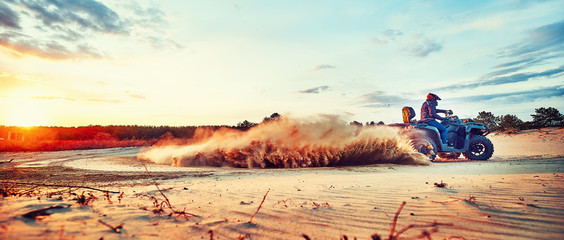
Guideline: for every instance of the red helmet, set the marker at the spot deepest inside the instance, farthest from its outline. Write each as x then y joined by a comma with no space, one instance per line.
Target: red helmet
433,97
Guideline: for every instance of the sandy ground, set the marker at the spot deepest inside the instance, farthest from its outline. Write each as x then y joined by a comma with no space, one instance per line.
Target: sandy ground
544,143
518,194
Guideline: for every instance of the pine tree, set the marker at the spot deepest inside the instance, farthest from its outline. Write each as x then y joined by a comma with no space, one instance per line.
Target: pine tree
547,117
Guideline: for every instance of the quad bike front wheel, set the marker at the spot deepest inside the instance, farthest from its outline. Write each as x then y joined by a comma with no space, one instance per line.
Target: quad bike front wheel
426,147
480,148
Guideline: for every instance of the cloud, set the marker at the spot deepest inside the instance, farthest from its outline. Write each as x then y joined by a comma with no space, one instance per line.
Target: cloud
86,14
520,64
9,81
539,47
150,17
54,98
387,36
315,90
78,99
321,67
379,99
422,47
529,61
416,45
64,27
135,95
518,96
150,24
236,7
8,17
543,40
67,29
70,99
26,45
493,79
158,42
392,33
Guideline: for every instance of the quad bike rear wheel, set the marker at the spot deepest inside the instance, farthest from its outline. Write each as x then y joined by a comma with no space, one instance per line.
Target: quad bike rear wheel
481,148
449,155
426,147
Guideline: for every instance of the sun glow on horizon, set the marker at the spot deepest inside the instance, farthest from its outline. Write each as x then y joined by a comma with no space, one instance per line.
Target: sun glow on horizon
25,113
25,118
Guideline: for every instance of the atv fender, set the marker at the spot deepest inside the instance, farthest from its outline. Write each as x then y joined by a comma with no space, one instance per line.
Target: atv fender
434,135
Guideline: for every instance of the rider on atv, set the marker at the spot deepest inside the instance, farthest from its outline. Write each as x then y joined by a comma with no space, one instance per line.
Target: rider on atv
429,114
448,139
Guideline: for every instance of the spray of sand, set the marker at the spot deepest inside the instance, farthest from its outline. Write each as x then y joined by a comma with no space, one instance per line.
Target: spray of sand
290,143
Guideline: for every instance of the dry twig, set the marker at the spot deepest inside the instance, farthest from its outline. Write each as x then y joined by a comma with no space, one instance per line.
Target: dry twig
82,200
120,197
116,229
318,205
424,233
243,237
166,201
107,196
58,185
42,212
396,220
263,198
471,200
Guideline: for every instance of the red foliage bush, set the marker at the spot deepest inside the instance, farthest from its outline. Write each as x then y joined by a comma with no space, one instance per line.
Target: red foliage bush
59,145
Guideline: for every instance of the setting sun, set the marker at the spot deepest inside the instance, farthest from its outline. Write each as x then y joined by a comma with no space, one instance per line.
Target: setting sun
25,114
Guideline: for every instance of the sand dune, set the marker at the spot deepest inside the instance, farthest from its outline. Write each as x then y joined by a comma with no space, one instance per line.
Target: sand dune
518,194
543,143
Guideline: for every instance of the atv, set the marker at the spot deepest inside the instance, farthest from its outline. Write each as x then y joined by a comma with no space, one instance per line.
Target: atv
465,136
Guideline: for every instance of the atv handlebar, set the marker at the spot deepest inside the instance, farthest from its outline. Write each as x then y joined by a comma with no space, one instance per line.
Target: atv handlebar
448,114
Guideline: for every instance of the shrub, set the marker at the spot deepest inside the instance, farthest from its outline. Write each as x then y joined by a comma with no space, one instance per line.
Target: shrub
547,117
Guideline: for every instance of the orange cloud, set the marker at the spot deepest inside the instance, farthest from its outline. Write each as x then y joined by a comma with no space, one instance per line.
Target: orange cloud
21,44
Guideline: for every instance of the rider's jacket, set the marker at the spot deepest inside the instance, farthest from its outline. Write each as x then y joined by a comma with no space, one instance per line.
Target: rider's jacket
429,111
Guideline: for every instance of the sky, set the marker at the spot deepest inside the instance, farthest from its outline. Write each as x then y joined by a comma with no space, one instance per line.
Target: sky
178,63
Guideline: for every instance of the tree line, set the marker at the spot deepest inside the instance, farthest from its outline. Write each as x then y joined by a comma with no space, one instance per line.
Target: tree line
543,117
93,132
113,132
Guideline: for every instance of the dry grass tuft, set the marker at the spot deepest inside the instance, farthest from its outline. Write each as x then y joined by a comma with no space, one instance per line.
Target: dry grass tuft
441,185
